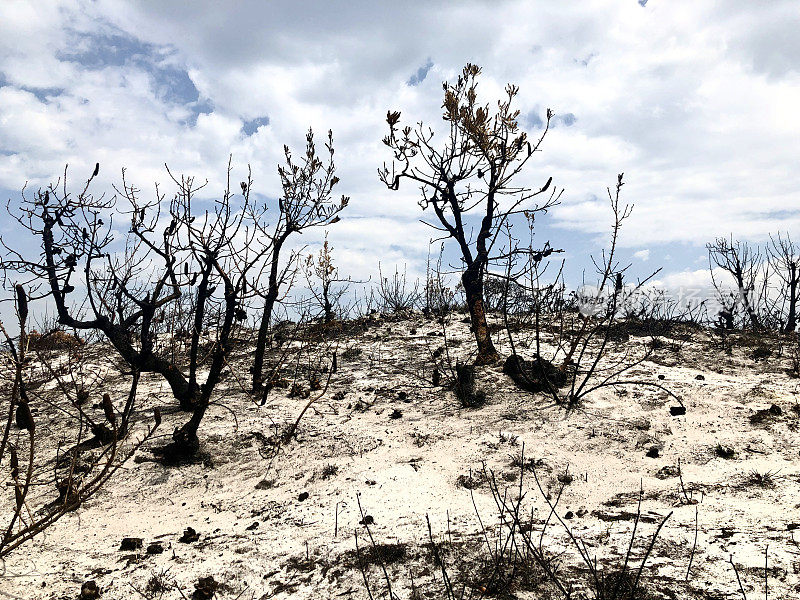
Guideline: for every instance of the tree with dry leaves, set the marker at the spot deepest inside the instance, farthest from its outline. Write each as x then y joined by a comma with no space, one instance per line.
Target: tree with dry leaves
469,181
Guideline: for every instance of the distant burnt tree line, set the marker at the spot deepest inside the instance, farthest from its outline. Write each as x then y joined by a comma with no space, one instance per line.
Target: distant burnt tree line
756,285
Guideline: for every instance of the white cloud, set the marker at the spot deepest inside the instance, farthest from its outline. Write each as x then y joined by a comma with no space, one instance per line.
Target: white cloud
695,102
699,279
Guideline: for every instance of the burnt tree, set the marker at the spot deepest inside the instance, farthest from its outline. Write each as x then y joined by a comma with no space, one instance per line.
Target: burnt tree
324,283
469,181
784,261
307,201
126,289
745,266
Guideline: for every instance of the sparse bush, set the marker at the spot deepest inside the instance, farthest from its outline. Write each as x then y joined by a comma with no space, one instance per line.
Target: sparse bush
765,479
513,557
43,483
439,298
55,340
328,471
397,295
324,283
581,340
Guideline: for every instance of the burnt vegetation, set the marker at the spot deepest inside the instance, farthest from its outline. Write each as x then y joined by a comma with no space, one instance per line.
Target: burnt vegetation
212,296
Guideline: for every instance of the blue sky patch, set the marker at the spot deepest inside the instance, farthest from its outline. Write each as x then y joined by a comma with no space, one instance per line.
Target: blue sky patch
567,120
251,126
533,120
171,82
421,74
99,51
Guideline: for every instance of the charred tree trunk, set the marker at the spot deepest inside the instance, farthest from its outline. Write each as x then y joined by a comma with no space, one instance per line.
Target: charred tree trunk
185,437
472,279
266,316
791,321
150,363
747,301
261,341
327,306
197,331
465,387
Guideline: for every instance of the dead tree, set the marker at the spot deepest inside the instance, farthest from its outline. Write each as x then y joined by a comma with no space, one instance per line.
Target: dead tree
307,201
745,265
783,259
127,293
473,171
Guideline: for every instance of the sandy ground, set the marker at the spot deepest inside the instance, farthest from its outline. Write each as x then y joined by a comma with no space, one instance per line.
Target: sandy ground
279,522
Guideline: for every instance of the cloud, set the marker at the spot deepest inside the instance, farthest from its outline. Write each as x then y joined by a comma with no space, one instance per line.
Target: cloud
695,103
643,255
687,287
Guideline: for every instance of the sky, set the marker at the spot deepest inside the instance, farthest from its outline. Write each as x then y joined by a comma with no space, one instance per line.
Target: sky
695,101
